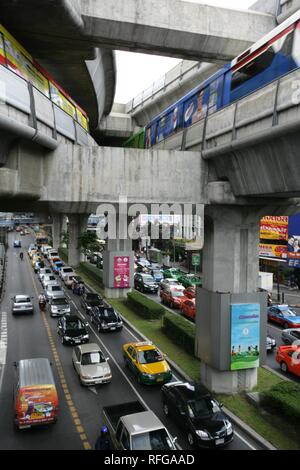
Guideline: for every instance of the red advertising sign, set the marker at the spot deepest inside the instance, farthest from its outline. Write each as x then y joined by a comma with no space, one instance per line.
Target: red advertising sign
121,272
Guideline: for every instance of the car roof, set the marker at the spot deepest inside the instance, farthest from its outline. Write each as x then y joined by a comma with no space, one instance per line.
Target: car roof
139,423
35,372
90,347
143,345
189,391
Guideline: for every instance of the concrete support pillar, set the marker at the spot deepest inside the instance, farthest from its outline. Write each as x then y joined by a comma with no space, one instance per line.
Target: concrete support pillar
230,277
56,230
118,261
77,225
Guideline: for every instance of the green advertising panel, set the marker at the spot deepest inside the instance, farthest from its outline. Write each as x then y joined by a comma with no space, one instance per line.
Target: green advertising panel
196,260
245,336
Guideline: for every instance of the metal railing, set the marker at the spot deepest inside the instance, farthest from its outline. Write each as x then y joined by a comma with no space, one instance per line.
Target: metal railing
161,84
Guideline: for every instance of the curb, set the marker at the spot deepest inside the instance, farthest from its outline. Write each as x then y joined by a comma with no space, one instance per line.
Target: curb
237,421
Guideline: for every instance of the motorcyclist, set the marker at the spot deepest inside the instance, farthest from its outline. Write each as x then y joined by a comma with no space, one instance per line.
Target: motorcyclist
21,255
103,442
42,301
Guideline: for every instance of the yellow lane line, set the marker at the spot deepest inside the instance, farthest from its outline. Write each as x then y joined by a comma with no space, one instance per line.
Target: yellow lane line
71,406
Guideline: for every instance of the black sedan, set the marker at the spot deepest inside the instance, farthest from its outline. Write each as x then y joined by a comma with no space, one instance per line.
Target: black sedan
145,283
198,414
106,319
90,300
72,330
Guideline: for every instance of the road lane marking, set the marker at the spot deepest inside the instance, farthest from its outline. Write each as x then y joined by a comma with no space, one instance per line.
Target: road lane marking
59,368
244,440
3,346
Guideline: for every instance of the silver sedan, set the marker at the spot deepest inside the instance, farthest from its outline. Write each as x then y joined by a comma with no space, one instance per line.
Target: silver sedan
291,335
91,365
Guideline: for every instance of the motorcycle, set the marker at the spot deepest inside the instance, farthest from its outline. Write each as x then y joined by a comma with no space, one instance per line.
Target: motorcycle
42,304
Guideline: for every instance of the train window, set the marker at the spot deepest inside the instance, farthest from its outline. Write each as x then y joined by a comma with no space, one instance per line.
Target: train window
282,45
250,70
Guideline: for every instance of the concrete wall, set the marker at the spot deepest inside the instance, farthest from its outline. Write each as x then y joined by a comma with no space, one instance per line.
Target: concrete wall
77,179
173,28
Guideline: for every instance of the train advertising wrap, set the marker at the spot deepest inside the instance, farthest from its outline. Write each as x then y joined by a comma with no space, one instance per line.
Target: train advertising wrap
81,118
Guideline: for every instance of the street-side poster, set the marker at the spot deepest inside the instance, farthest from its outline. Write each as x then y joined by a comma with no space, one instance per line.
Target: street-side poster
245,336
274,228
294,242
121,272
273,237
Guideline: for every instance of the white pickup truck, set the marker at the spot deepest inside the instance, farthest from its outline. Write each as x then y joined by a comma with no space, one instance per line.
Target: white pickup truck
133,427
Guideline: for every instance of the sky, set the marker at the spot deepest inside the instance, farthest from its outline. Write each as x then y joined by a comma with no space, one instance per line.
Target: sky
136,72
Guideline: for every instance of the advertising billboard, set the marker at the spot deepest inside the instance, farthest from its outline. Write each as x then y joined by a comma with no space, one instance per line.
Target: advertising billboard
274,228
293,252
245,336
275,252
121,272
273,238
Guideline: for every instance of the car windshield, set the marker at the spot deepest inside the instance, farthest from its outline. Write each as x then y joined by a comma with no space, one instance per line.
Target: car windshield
202,407
50,278
74,324
148,278
21,301
288,312
108,313
177,293
149,356
93,297
59,302
55,288
68,270
92,358
153,440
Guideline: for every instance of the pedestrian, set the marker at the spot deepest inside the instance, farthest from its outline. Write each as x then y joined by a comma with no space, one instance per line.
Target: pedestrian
104,441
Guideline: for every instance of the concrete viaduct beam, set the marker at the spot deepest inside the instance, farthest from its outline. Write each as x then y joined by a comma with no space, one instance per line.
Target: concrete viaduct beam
173,28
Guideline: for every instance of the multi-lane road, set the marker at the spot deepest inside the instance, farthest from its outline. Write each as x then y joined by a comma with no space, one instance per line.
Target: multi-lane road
31,336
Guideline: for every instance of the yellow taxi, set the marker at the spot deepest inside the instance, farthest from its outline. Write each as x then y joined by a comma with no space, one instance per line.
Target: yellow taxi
147,363
32,252
35,259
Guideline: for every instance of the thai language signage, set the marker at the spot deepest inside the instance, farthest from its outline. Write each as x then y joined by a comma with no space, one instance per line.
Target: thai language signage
121,272
278,252
274,228
273,238
245,336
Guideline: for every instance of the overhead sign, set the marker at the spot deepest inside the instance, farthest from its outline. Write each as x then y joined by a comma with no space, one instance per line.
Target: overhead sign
245,336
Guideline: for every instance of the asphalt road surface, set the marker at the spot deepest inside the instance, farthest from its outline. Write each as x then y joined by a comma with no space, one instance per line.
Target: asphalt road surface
32,336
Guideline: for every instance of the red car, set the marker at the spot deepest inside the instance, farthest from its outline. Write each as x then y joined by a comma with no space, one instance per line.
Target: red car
190,292
174,297
188,309
289,359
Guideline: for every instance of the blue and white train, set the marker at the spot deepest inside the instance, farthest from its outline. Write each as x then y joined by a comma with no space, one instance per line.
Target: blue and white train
275,55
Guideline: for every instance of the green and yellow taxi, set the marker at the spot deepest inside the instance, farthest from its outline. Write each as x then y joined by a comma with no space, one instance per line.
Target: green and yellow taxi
146,362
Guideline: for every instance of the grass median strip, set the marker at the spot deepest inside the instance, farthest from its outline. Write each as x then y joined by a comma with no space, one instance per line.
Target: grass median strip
273,428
